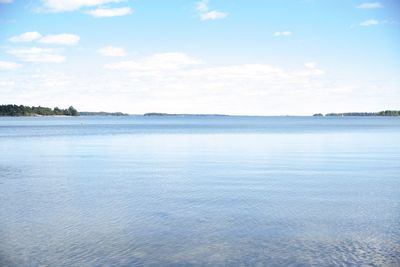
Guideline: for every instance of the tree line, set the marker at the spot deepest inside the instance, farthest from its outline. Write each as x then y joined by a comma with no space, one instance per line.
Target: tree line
380,113
20,110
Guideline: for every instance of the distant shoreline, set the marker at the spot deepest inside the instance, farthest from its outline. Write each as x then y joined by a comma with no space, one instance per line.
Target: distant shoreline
183,114
32,111
102,113
385,113
27,111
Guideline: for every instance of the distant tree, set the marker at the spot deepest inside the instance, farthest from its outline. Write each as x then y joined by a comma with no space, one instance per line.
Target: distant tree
57,111
72,111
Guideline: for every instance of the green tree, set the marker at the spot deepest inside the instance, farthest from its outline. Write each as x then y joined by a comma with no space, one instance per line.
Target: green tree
72,111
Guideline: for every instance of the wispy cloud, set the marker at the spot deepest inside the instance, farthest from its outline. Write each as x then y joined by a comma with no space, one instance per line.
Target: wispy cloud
375,22
59,39
283,33
310,65
213,15
102,7
7,65
25,37
110,12
202,6
311,69
111,51
69,5
157,62
37,54
206,14
370,5
6,1
369,22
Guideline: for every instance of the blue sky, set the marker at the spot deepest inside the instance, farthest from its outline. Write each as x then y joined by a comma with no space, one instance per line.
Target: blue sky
218,56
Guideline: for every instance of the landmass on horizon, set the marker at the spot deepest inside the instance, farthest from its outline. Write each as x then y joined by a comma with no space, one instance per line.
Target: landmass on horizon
182,114
102,113
380,113
21,110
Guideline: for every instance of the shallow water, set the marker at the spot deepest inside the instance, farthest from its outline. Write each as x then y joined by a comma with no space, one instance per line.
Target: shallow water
172,191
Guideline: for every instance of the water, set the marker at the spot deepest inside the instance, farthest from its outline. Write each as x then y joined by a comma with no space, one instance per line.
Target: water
188,191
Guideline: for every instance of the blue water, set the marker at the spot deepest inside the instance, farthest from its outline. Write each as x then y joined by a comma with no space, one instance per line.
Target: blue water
200,191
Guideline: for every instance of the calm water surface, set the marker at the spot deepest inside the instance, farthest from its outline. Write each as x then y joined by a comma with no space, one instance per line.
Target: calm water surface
209,191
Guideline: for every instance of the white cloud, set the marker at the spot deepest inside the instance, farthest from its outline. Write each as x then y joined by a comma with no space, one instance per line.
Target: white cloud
370,5
7,65
101,7
213,15
284,33
71,5
369,22
202,6
206,14
310,65
253,73
6,84
36,54
110,12
25,37
311,70
60,39
171,60
6,1
157,62
112,51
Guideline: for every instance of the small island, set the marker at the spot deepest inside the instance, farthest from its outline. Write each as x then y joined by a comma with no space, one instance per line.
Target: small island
21,110
389,113
182,114
102,113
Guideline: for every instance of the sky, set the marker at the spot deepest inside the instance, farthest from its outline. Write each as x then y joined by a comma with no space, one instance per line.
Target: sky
238,57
